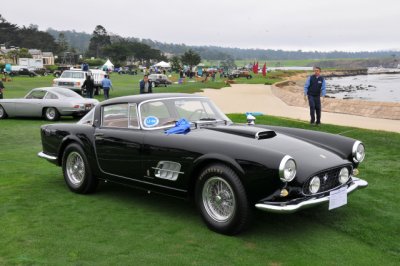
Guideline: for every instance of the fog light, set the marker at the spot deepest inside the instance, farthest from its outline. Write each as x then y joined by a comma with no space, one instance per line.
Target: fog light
344,175
284,192
315,184
355,171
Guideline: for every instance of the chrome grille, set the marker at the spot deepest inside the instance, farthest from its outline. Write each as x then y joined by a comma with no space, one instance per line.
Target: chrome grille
329,180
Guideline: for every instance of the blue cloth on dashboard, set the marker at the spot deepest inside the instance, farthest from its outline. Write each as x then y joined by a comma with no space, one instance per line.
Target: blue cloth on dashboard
182,126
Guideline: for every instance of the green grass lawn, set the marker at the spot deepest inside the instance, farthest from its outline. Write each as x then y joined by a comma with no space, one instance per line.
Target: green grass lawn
43,223
129,84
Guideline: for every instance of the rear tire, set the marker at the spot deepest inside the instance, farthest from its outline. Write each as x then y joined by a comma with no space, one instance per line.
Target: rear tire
3,113
222,200
51,114
77,172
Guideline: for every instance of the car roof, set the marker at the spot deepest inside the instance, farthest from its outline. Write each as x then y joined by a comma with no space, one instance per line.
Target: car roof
53,89
148,96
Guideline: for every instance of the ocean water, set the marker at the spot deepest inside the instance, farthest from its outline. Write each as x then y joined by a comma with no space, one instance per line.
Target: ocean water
372,87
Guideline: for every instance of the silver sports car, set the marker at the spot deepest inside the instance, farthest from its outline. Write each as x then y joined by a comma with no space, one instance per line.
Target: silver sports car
50,103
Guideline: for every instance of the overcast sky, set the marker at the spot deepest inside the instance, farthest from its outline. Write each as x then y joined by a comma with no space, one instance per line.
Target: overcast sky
324,25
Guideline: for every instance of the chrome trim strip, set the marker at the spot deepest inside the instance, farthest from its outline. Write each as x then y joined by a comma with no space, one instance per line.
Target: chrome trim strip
47,157
357,183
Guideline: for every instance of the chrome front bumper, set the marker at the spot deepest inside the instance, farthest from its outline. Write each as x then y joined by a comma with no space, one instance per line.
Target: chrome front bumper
290,208
47,157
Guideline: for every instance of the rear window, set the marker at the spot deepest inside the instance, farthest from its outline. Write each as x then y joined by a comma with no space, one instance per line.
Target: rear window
73,75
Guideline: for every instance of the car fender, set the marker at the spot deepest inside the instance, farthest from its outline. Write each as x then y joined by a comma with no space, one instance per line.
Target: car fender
212,157
65,142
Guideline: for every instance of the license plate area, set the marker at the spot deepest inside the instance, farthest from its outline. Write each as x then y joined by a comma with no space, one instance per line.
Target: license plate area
337,198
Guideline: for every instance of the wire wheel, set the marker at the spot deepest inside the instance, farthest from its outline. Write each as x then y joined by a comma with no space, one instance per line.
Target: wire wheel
51,114
75,167
219,199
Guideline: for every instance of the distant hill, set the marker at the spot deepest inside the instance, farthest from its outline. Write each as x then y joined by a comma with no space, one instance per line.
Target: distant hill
80,41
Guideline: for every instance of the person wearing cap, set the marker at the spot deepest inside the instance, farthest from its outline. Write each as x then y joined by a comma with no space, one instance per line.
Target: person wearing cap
314,89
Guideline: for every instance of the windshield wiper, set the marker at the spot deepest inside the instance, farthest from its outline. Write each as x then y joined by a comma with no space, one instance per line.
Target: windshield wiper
207,119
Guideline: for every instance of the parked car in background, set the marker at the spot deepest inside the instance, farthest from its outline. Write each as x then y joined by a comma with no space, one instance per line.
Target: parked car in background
42,71
240,74
24,72
159,79
60,70
49,103
73,79
228,169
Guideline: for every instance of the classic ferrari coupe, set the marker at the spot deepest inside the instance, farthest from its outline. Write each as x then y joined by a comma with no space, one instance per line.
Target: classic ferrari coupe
182,145
49,103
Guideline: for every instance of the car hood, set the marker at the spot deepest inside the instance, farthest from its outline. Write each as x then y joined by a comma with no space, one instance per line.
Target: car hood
268,147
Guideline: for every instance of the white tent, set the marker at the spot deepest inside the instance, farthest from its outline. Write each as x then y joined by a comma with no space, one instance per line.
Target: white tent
163,64
109,65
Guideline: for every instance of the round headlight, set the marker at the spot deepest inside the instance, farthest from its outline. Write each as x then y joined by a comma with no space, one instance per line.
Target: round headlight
314,184
287,169
358,152
343,175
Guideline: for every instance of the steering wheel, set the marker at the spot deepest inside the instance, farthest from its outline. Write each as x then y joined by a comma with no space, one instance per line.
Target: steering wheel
197,111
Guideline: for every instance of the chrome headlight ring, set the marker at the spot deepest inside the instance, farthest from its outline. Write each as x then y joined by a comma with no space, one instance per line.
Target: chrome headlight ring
358,152
287,169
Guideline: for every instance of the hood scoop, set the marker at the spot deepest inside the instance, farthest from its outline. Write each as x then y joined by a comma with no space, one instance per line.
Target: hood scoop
246,131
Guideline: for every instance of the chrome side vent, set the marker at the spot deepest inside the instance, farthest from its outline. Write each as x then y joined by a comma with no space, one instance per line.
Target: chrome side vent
265,134
167,170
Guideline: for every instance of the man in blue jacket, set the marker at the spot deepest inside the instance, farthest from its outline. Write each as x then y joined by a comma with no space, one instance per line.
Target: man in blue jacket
314,89
107,85
145,85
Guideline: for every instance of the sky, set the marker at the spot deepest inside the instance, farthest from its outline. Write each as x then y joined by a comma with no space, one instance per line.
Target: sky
309,25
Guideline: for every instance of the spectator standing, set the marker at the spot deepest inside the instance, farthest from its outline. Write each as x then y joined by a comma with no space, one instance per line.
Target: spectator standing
107,85
88,86
1,89
145,85
314,89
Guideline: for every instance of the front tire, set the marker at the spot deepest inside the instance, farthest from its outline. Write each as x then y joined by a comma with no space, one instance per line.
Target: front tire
221,200
77,171
51,114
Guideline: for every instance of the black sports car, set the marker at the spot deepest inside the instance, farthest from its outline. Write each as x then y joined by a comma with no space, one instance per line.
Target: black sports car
227,168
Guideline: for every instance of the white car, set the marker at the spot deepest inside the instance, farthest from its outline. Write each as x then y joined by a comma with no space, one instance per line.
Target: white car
50,103
73,79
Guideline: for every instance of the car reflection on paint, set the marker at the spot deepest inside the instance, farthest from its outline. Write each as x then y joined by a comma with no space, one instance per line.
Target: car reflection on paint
228,169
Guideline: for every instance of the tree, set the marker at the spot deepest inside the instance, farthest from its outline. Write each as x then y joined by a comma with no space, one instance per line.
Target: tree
62,43
175,63
100,39
20,53
8,33
190,58
228,63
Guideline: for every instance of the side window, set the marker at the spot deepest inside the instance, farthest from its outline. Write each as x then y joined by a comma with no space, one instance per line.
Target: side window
115,115
36,95
133,118
154,114
50,95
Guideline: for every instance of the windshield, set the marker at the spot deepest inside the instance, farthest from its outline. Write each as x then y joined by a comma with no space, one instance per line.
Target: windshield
165,112
73,75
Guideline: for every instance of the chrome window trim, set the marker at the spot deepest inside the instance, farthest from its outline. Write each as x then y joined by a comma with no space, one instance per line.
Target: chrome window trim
129,105
158,99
